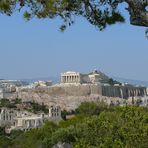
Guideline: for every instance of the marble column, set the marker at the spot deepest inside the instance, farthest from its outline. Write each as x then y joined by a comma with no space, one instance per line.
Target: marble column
75,78
65,79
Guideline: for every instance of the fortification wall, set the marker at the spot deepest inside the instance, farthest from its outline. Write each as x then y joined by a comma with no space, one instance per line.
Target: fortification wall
70,90
123,91
70,96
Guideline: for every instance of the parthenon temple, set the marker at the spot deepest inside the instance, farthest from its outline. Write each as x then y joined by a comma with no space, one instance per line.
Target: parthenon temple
71,77
76,77
105,89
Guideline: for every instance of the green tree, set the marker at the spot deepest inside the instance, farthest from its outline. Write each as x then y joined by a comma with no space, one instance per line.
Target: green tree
35,107
64,113
111,81
91,108
118,127
99,13
2,131
6,103
5,142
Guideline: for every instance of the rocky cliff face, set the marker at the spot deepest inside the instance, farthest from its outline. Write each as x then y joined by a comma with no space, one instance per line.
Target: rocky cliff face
70,89
67,96
70,96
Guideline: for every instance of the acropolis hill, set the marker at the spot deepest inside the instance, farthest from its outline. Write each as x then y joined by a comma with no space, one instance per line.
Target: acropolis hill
76,88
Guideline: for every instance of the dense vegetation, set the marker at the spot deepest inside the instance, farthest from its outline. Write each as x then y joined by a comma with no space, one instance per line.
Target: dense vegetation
29,106
35,107
94,125
9,104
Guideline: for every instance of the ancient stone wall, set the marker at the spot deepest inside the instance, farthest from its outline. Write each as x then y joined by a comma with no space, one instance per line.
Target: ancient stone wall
70,90
123,91
70,96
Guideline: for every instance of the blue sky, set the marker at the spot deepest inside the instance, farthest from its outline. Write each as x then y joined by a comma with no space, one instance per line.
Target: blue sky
38,49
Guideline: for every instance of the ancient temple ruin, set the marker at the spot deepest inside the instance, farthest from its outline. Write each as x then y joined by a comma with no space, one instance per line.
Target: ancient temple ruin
76,77
23,120
105,88
71,77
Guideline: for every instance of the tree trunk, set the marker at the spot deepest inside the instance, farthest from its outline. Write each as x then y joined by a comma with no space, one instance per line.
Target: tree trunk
138,12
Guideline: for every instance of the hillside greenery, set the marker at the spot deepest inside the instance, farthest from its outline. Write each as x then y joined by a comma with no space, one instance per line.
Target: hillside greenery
30,106
94,125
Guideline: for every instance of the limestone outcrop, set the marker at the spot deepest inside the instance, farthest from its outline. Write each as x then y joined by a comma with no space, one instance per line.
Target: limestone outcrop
70,96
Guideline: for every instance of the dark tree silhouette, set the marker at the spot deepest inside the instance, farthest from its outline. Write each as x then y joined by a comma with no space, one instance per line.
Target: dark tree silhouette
98,12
